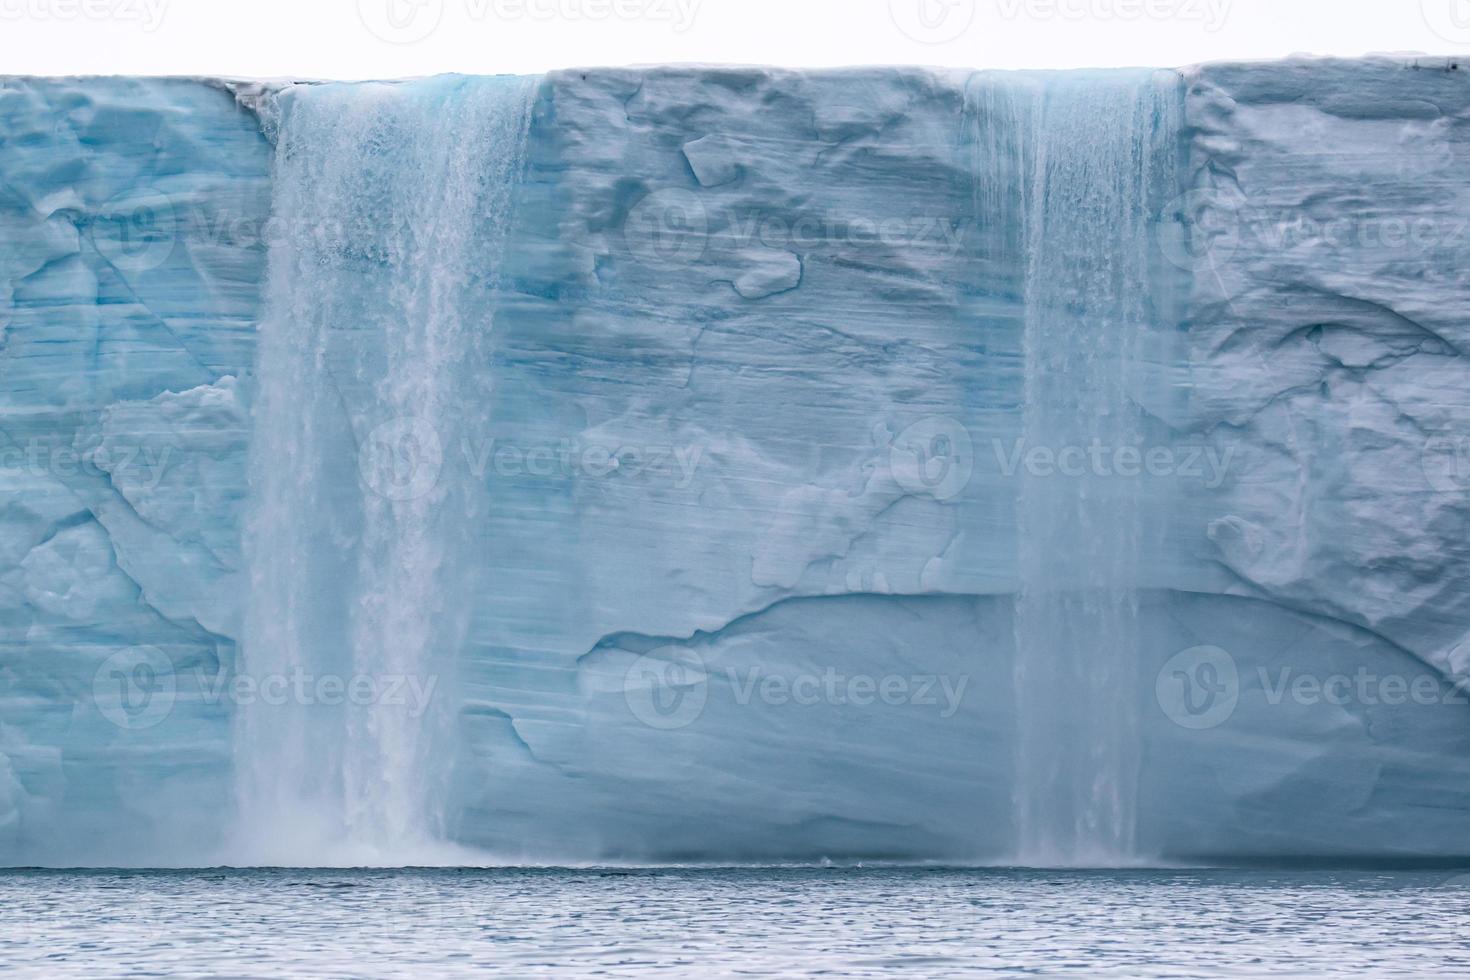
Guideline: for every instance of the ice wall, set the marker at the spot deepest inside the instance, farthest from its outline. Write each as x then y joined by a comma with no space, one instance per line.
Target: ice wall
1323,336
130,270
696,463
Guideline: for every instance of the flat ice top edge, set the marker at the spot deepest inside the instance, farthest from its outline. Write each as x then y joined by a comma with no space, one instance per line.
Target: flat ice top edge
1410,59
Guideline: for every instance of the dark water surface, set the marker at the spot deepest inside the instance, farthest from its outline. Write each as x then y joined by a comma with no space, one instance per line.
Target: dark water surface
748,922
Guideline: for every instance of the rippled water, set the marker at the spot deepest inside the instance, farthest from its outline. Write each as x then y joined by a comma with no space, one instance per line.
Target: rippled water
840,921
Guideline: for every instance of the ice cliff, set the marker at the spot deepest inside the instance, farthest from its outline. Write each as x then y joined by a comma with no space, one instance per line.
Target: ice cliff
737,464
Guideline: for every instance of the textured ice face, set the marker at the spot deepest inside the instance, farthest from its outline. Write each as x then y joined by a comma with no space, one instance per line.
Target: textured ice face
130,270
655,477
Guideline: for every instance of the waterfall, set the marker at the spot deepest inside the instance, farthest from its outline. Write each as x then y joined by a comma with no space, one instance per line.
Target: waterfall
392,205
1096,168
391,211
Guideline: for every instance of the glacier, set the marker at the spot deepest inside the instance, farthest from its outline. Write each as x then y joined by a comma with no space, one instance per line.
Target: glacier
735,465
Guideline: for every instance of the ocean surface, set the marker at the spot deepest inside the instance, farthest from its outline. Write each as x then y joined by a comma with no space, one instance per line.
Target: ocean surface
752,922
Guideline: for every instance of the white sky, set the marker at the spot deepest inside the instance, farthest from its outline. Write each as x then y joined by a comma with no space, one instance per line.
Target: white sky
337,39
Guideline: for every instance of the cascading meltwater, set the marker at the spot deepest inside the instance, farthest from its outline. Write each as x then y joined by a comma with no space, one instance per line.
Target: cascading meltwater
394,200
1092,172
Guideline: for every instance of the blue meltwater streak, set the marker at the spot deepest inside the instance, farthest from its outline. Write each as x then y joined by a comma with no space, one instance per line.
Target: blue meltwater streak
394,200
1094,169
